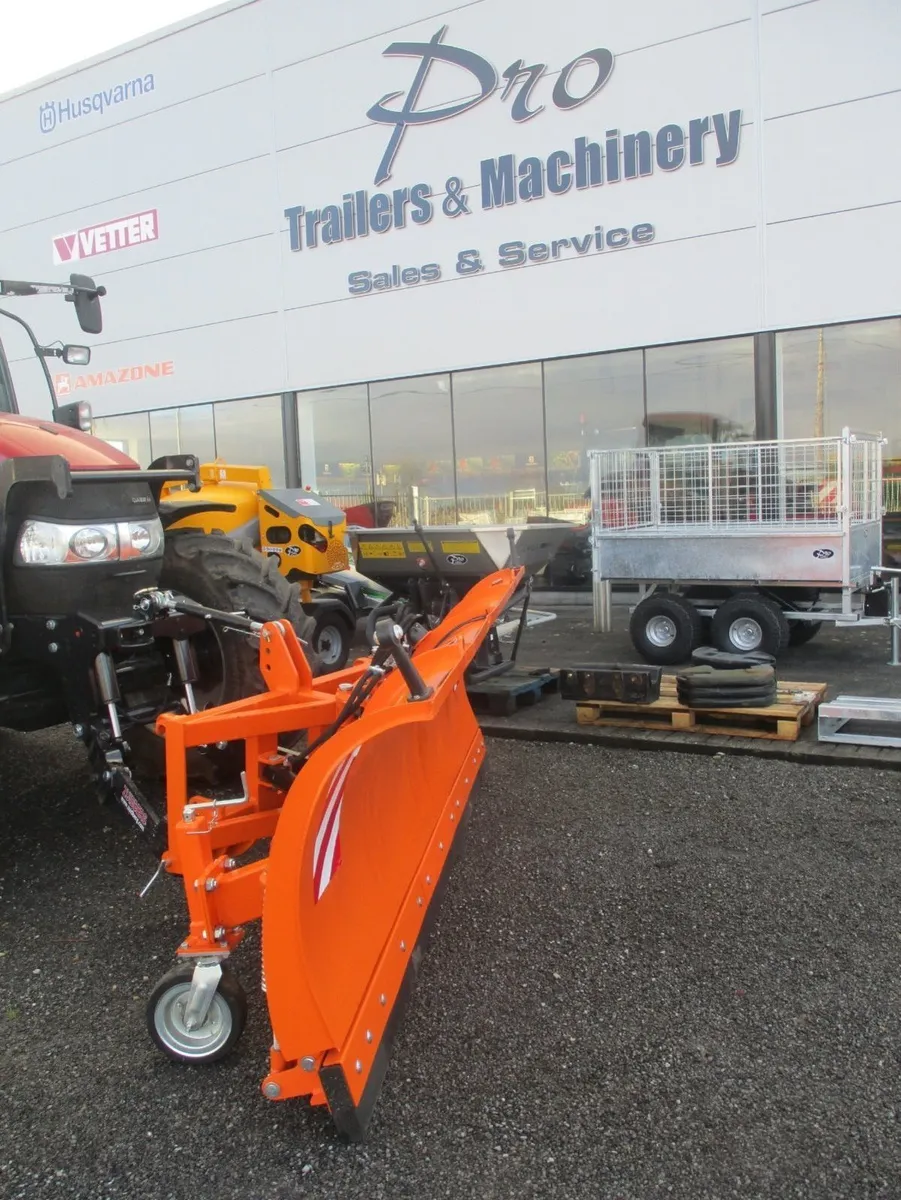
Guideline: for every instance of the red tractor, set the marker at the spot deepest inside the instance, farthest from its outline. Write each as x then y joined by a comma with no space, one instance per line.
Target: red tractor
83,543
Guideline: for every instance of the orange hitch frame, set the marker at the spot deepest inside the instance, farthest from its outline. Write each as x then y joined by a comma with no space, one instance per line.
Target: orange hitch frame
360,839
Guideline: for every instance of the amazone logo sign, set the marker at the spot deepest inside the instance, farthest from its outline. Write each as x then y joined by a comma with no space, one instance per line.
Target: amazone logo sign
64,384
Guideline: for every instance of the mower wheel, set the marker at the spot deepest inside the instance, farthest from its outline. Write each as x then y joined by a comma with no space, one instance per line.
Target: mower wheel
220,1029
330,638
665,628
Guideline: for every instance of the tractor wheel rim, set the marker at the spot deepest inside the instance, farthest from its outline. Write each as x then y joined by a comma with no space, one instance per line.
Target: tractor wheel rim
745,634
661,631
206,1039
328,645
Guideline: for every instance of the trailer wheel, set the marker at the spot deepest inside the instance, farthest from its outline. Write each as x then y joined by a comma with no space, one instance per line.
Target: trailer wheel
331,640
802,632
220,1029
665,629
747,623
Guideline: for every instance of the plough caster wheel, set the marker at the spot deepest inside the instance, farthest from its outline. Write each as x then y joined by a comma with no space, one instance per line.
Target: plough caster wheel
196,1013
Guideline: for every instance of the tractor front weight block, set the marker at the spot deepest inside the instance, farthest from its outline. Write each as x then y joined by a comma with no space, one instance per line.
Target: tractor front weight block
361,818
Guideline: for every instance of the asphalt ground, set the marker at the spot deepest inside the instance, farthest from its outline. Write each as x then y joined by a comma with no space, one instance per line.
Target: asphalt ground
654,975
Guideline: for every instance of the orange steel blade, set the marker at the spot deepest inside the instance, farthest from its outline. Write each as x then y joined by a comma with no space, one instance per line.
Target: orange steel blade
362,842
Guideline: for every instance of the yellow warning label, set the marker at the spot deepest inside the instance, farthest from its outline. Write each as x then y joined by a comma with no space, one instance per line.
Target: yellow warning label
460,547
418,548
382,550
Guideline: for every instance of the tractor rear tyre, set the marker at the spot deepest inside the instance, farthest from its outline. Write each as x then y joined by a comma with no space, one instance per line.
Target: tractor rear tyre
224,573
665,629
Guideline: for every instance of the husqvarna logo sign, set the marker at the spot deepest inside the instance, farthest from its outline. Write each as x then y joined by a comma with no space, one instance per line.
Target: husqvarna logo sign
53,113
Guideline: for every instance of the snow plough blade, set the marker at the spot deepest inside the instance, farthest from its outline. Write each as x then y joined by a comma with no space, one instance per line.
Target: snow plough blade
361,823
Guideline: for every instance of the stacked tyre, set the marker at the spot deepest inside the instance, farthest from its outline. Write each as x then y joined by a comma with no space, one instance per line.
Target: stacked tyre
719,680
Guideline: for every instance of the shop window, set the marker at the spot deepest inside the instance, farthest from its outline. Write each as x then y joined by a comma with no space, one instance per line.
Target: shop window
413,449
700,392
335,449
842,375
590,403
129,432
250,433
184,431
499,441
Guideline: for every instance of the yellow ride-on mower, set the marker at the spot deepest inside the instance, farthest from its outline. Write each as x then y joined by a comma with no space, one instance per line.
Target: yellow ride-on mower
301,530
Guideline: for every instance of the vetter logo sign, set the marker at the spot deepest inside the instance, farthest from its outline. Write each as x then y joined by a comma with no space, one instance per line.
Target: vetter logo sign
588,162
106,237
64,384
56,112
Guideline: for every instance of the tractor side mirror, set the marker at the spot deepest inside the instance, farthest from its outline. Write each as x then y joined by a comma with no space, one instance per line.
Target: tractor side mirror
76,415
76,356
87,303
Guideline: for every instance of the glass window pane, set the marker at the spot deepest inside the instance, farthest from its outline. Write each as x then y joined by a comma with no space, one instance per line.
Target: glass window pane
129,433
164,432
499,432
842,375
701,392
195,433
249,432
413,449
591,403
334,448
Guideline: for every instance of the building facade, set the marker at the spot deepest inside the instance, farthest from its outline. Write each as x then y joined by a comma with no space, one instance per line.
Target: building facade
436,255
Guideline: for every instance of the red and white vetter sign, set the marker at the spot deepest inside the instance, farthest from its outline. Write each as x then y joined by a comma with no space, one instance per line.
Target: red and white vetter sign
102,239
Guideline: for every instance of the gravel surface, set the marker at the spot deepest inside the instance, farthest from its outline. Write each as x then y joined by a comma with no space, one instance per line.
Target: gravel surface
655,975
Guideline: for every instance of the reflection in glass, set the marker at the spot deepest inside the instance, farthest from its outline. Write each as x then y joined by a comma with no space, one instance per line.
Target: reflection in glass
701,392
499,435
413,449
164,433
335,455
196,434
842,375
591,403
250,433
129,432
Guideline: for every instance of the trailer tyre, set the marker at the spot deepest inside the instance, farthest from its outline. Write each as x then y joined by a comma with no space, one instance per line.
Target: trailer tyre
215,1036
665,629
749,623
802,632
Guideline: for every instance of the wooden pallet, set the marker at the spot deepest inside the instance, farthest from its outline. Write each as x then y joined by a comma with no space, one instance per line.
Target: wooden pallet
503,695
795,707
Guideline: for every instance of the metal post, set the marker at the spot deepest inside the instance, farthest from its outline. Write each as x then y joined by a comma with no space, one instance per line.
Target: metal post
291,437
894,614
844,498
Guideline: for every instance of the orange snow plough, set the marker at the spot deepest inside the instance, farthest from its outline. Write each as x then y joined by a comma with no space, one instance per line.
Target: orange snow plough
361,813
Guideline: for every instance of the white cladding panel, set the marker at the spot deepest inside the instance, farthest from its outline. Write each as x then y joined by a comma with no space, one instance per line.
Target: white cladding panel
761,189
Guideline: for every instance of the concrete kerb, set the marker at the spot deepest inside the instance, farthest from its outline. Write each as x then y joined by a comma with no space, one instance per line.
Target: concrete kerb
804,750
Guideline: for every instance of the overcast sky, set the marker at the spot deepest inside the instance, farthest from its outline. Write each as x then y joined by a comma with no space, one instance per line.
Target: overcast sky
48,35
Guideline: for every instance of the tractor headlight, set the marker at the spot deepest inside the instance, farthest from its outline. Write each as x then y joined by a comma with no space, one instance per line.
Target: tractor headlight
51,543
91,544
